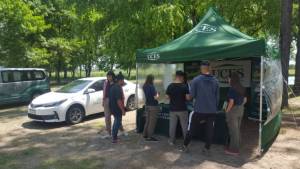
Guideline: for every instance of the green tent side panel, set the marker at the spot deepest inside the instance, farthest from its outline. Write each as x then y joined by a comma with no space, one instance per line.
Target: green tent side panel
270,131
211,39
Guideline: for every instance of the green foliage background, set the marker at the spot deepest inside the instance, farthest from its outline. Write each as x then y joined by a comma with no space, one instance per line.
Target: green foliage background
62,35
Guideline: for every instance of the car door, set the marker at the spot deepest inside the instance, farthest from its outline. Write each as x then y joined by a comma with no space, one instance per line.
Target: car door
10,88
128,90
94,100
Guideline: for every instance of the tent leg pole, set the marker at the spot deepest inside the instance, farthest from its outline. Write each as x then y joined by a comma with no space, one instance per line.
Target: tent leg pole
261,105
137,86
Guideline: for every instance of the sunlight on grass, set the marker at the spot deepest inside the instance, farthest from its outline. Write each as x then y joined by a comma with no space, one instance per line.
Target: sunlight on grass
294,106
13,160
98,124
91,163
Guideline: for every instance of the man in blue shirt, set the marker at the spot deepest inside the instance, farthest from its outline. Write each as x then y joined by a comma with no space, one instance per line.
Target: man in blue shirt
116,105
205,92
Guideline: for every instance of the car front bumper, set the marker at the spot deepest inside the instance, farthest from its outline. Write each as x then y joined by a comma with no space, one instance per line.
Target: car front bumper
45,114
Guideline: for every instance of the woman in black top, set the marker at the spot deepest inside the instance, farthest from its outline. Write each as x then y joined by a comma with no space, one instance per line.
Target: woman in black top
234,113
151,108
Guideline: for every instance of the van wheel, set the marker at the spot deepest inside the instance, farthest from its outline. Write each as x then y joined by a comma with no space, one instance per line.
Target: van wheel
131,103
75,115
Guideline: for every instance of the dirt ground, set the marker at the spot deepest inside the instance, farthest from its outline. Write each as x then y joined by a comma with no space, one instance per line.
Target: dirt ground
30,145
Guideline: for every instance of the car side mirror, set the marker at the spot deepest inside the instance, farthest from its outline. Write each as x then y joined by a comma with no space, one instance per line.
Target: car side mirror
90,90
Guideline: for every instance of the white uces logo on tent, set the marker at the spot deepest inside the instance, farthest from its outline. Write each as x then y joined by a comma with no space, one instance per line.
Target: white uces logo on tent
153,56
206,28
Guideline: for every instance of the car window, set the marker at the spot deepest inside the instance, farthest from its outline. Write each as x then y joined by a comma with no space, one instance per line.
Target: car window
98,86
74,86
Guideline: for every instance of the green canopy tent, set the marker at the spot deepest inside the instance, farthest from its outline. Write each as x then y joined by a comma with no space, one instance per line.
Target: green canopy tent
214,39
211,38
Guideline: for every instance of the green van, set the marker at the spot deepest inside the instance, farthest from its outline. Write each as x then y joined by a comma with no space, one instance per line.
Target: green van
18,85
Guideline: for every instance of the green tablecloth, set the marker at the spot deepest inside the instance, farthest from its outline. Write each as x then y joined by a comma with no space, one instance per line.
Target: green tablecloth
162,126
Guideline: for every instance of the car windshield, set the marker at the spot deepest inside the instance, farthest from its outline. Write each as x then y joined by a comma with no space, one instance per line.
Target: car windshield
74,86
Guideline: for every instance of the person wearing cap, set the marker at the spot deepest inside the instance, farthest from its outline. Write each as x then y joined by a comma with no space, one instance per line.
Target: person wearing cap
116,105
205,92
178,93
111,77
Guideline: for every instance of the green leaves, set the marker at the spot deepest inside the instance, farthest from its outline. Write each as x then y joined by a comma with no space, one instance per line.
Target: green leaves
19,31
107,33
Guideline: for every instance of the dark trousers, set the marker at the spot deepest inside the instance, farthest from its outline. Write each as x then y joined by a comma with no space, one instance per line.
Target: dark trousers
194,120
117,124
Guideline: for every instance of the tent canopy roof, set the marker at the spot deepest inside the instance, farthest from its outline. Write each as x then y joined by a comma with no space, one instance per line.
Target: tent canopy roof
211,39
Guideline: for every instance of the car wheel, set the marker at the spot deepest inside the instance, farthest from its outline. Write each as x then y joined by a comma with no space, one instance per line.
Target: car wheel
131,103
75,115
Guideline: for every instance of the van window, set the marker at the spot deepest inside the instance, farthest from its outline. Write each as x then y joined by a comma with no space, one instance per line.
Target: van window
11,76
7,76
38,75
17,76
26,75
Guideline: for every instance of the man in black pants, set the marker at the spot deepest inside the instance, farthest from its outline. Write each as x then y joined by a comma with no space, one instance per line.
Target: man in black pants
205,92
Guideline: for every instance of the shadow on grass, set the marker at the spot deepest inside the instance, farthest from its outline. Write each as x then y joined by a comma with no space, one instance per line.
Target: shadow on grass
13,106
45,126
79,147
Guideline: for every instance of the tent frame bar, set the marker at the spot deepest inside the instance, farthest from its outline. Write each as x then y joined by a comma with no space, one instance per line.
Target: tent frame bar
137,86
261,104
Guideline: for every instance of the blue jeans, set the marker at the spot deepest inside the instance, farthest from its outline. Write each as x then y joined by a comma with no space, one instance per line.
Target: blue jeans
117,124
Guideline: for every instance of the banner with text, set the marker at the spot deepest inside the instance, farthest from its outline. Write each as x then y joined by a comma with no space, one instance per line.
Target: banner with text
222,70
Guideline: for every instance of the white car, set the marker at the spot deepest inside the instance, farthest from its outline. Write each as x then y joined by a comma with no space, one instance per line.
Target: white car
76,100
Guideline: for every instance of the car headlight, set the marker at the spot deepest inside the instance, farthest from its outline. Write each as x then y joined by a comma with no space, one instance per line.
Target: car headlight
53,104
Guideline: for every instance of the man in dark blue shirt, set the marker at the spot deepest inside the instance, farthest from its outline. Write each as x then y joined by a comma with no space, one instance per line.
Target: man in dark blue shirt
116,105
205,92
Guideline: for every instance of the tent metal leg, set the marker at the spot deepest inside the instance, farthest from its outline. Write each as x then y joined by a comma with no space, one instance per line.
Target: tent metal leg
137,87
261,105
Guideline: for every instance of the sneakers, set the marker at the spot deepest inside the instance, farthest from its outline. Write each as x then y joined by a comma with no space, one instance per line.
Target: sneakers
231,152
122,133
114,141
151,139
125,133
171,143
105,136
183,149
205,151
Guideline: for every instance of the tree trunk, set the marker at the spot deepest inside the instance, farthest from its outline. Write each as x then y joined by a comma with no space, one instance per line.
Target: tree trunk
129,72
297,66
73,73
50,74
80,69
88,69
65,73
285,43
57,75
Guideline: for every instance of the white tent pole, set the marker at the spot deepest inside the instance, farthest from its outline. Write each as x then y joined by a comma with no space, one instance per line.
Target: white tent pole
261,103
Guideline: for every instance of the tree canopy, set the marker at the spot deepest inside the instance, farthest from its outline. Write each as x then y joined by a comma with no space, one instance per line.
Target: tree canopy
62,35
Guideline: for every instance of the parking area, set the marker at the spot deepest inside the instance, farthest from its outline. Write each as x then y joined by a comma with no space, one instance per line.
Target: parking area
30,145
